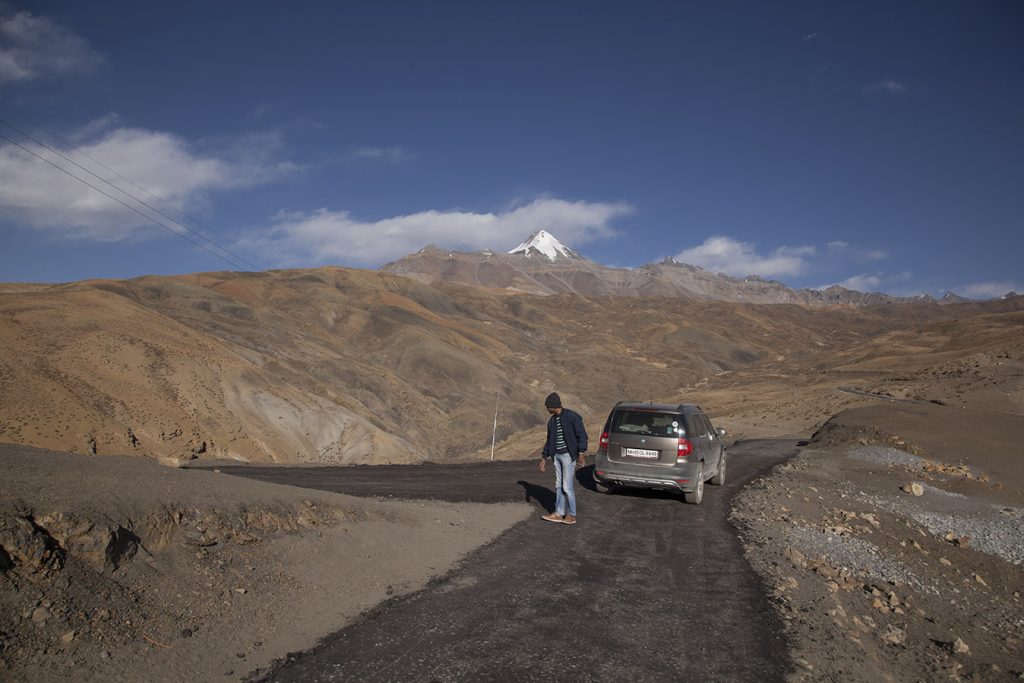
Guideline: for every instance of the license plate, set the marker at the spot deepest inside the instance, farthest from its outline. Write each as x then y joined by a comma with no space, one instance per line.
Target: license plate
641,453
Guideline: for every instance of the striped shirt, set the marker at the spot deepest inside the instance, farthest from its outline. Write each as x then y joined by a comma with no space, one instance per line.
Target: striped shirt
560,446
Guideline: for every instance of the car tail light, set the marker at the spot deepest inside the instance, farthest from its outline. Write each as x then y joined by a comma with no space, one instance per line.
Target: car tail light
604,440
685,448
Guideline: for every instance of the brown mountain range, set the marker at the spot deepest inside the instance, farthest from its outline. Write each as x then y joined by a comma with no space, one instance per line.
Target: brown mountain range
339,365
575,274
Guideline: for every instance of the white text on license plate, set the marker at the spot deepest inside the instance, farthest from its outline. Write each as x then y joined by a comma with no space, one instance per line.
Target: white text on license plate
641,453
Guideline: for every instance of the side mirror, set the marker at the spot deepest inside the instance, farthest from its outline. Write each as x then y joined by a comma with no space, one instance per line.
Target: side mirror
719,431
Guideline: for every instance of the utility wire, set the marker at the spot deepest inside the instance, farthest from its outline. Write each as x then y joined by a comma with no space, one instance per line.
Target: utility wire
165,202
127,206
128,194
251,265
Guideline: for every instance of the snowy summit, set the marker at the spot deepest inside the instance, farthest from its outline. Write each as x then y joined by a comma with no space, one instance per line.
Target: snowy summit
543,243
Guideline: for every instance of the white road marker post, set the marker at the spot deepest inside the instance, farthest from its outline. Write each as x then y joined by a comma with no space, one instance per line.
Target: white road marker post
494,432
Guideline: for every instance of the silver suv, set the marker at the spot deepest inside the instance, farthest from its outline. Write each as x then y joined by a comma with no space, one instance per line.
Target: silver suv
660,446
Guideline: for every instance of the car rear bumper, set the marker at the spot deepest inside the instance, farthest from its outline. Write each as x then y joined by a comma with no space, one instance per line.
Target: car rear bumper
681,478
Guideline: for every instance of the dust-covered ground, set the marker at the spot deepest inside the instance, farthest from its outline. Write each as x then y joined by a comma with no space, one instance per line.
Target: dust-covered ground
895,545
120,569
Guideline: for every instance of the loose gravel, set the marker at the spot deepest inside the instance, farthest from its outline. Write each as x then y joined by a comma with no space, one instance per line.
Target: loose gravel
942,492
847,509
883,455
993,529
853,554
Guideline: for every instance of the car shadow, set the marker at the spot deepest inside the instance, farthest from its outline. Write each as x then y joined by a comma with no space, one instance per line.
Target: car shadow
544,496
649,494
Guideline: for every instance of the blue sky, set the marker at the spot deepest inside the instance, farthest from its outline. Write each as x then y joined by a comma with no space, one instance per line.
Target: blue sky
879,145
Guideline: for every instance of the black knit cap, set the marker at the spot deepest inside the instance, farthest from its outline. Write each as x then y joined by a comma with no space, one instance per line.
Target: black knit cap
553,401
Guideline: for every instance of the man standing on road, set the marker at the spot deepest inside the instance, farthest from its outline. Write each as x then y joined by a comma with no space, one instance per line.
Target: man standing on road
566,446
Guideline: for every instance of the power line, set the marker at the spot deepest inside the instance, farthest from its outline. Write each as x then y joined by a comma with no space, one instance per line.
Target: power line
240,259
148,206
132,208
165,202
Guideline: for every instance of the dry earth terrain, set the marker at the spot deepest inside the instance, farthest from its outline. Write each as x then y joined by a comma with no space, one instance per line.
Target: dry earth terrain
119,568
894,544
341,366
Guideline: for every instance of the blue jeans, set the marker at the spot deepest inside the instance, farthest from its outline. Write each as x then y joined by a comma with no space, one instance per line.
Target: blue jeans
565,470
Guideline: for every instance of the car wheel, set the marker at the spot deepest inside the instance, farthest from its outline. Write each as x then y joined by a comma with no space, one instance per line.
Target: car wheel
697,495
719,478
602,488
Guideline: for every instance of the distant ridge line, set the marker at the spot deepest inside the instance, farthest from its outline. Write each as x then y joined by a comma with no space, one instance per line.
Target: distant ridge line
543,265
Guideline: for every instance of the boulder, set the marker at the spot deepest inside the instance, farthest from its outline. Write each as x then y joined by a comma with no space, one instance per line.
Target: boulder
27,545
914,487
794,556
106,547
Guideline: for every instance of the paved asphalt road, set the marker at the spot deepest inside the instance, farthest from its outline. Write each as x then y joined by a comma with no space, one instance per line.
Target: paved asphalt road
643,588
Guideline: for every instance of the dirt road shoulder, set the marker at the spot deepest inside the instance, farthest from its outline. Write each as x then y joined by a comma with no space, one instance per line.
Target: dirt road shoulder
887,565
119,569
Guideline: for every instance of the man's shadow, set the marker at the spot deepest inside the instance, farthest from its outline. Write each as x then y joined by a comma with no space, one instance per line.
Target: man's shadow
585,477
546,497
543,495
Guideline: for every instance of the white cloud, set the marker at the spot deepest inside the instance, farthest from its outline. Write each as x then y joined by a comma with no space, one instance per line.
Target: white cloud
392,154
260,111
988,290
846,250
34,194
887,86
34,47
95,128
861,283
722,254
870,282
326,236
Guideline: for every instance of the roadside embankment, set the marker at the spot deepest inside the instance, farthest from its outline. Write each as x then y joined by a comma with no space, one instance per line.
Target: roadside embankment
120,569
892,544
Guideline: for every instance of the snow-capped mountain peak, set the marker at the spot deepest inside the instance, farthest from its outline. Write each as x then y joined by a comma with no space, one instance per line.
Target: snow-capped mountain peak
543,243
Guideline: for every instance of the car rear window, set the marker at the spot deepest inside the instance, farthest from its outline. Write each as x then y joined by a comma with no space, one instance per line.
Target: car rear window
647,422
698,425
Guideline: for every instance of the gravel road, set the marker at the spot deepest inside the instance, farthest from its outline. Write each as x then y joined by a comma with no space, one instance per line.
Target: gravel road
644,587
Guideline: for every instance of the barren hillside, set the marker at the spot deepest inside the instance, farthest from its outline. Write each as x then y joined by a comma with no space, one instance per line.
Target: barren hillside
349,366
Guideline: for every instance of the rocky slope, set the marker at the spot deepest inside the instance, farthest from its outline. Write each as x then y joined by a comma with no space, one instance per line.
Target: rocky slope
893,556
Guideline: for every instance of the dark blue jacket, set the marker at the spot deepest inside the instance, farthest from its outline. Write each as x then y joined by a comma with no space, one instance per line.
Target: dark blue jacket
573,431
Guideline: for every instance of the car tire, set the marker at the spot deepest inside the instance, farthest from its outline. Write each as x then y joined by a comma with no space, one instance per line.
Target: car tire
719,477
602,488
697,495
